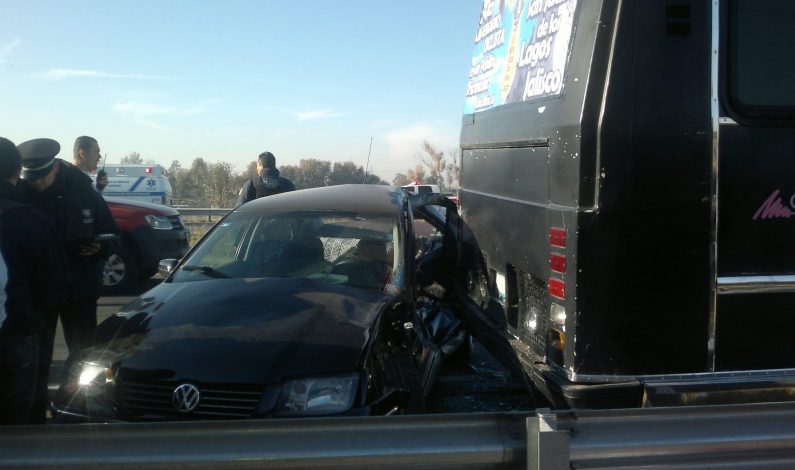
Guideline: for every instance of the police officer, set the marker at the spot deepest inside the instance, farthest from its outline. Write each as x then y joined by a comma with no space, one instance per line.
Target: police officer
62,191
267,181
36,284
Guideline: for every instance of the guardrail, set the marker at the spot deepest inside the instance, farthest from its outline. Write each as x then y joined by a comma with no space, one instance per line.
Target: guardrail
210,212
715,437
199,219
752,436
470,441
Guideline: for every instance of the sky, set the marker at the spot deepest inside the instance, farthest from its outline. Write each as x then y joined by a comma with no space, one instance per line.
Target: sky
227,80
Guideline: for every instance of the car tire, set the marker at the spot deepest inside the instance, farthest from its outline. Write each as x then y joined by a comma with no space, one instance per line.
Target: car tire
120,273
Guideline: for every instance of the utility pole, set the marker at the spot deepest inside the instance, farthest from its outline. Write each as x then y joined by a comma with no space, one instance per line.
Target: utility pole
368,161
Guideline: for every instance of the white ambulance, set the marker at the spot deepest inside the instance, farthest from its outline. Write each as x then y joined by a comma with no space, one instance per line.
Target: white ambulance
147,183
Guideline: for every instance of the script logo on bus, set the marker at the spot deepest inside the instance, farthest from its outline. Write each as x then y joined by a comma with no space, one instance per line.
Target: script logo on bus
774,207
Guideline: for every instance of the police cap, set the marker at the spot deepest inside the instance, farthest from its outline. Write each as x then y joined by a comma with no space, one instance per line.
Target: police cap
38,156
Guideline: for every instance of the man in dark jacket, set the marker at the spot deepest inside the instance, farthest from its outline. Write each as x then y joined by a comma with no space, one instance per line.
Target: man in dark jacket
266,183
87,157
65,193
37,283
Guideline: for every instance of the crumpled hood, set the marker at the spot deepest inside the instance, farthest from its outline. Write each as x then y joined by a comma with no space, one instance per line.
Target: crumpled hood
241,330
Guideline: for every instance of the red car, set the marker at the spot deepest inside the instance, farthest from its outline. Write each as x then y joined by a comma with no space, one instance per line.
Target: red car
149,233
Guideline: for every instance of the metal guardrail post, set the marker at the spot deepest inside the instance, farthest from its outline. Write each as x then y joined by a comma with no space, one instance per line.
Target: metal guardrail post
547,445
463,441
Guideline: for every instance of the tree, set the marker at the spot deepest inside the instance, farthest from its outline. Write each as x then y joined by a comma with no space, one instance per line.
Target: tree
345,173
417,174
351,173
291,172
182,187
251,169
172,171
401,180
196,183
441,169
218,185
175,166
240,179
312,173
435,161
452,175
133,158
176,177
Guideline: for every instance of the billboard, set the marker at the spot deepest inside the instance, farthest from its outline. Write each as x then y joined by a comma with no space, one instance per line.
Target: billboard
521,52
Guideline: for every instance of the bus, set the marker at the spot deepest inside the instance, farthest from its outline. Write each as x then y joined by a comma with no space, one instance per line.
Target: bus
627,170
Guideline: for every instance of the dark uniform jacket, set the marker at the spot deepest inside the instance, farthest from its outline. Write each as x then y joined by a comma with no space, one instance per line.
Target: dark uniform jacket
266,185
37,277
80,214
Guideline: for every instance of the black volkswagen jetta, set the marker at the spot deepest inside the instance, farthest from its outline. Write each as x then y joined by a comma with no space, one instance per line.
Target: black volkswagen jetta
326,301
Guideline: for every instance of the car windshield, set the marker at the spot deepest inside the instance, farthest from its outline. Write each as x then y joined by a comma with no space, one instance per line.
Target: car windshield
354,249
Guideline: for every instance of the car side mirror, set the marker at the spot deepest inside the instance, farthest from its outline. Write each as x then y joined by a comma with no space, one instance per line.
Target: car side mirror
166,266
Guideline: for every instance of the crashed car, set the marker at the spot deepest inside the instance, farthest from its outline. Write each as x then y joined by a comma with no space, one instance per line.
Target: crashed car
325,301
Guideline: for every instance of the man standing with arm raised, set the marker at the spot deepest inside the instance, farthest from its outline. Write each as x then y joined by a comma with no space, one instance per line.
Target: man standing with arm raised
87,156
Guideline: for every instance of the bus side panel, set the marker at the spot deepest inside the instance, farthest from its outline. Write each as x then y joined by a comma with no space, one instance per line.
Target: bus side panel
551,194
644,265
756,222
754,332
505,206
757,201
513,173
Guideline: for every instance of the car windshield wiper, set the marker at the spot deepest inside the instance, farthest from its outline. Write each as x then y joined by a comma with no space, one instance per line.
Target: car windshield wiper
207,270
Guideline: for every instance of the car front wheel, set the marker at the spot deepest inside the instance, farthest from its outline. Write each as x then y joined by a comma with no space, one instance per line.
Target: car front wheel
120,272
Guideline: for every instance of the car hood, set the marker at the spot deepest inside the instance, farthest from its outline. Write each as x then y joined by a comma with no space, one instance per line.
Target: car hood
240,331
149,206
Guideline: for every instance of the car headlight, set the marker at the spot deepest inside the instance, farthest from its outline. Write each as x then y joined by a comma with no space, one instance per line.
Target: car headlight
92,376
159,222
91,373
87,390
317,396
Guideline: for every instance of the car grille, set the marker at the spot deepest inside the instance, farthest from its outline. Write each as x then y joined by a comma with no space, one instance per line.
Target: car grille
152,400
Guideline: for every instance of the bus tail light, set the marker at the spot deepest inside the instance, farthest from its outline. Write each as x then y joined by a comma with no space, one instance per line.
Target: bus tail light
557,237
557,263
557,288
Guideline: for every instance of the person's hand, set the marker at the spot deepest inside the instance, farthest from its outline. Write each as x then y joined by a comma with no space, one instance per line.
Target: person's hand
88,249
102,179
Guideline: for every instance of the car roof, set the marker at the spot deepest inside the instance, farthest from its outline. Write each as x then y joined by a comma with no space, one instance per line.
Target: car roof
345,197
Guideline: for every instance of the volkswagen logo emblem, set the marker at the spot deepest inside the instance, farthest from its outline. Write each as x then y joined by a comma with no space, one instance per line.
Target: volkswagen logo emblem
185,398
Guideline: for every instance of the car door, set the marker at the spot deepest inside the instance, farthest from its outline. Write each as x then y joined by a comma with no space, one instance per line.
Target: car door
434,226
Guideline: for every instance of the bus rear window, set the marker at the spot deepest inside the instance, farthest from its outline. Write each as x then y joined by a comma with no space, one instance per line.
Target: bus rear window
761,65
